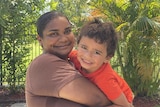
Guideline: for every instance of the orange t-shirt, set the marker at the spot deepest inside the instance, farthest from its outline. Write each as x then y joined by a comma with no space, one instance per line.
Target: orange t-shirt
106,79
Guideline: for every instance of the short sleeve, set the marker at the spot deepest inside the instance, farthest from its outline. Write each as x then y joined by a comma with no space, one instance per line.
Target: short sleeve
47,74
110,87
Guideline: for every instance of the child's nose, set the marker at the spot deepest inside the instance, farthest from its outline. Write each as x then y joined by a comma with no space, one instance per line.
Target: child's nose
89,54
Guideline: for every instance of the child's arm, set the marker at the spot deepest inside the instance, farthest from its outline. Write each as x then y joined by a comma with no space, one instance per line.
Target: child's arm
121,101
119,106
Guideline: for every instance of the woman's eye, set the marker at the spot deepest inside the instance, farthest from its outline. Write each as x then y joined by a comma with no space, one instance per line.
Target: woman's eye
54,34
68,31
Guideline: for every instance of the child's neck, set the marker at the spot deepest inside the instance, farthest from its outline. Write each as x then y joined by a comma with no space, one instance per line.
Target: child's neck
86,71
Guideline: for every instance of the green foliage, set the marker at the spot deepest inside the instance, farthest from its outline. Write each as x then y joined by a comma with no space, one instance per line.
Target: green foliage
138,53
137,22
17,28
76,11
157,106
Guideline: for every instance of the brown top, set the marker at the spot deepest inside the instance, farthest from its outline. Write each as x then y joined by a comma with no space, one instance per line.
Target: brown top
45,77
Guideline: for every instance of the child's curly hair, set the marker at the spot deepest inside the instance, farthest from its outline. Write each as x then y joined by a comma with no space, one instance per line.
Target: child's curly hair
102,33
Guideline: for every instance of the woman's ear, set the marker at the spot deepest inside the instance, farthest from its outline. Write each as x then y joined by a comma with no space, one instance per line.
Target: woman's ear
39,40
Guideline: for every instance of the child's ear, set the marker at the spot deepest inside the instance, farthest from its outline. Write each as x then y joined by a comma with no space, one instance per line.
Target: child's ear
107,59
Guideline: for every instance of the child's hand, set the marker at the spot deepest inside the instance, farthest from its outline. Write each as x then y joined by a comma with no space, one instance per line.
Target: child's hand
131,105
113,105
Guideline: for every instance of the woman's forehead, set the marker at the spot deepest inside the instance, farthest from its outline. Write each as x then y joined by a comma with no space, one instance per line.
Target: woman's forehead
58,23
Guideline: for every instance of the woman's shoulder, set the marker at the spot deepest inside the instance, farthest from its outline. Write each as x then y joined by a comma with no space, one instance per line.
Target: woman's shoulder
47,57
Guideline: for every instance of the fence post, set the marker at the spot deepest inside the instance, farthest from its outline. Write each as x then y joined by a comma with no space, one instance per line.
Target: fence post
1,56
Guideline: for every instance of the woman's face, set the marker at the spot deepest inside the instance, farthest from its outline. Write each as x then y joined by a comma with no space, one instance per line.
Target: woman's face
58,38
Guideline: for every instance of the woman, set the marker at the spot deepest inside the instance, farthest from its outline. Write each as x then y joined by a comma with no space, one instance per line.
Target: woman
51,80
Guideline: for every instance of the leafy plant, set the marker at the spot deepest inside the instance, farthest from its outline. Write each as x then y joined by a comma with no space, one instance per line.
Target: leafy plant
137,23
17,25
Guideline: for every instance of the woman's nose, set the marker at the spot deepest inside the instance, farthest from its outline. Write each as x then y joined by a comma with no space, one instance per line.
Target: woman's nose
63,37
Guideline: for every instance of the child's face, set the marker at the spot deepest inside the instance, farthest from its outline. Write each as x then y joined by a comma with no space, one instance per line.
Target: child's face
91,54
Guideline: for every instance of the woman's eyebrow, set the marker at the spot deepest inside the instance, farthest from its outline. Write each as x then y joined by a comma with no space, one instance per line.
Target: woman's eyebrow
68,27
53,30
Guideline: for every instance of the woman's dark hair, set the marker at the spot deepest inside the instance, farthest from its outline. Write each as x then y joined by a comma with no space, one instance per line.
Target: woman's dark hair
103,33
44,19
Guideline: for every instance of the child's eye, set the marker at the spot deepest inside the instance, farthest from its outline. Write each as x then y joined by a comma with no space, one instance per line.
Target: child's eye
83,47
98,53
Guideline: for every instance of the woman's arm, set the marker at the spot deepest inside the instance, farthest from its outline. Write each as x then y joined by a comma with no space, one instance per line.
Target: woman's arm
83,91
61,80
